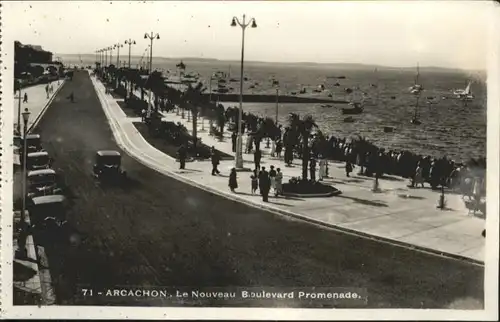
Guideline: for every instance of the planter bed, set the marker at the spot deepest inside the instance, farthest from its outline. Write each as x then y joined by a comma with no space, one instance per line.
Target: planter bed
128,111
171,148
308,189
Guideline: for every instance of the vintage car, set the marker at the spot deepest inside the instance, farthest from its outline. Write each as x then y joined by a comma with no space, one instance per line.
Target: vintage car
108,165
34,143
38,161
42,183
47,206
47,215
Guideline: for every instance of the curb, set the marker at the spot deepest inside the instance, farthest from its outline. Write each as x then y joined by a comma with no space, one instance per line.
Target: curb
119,137
44,109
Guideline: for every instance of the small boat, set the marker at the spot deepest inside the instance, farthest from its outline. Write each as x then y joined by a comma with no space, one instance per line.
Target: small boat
330,95
336,84
222,81
388,129
357,109
251,86
349,119
316,90
232,80
341,77
303,91
326,105
393,97
348,90
245,78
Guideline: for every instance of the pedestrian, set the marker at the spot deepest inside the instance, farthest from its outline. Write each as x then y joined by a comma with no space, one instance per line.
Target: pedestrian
257,156
72,97
47,90
25,100
279,148
182,153
143,115
312,169
348,168
234,136
322,168
418,178
215,161
255,181
233,183
273,148
264,184
278,190
272,177
248,144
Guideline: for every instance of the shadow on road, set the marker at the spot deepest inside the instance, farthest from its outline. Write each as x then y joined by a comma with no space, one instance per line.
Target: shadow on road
365,201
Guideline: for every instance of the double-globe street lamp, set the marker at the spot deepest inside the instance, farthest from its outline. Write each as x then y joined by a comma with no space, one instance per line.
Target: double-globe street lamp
117,46
239,146
129,42
151,37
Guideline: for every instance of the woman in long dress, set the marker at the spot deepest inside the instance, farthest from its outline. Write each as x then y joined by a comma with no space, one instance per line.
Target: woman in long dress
233,183
419,179
278,181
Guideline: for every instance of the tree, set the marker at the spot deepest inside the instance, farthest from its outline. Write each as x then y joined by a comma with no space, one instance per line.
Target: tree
303,127
156,84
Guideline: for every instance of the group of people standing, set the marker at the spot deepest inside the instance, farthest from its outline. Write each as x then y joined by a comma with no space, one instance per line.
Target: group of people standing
261,179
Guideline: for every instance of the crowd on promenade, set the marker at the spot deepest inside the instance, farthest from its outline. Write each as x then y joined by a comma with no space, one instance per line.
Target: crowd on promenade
467,178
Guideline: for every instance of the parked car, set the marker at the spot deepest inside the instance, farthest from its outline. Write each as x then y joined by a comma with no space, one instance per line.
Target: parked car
38,161
42,183
33,141
47,206
47,215
108,165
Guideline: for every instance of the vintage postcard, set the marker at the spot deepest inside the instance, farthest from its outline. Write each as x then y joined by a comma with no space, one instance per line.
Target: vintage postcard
250,160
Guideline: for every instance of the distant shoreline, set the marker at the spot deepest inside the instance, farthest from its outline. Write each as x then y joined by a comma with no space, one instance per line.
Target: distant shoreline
353,66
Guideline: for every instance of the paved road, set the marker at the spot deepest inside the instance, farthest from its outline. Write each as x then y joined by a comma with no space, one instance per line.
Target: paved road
158,231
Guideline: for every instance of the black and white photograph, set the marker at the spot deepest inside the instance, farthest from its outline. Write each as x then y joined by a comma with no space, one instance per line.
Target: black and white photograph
250,159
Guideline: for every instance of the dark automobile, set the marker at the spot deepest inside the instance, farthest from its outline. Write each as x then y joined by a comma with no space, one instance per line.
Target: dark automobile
46,206
108,165
34,143
38,161
42,183
47,215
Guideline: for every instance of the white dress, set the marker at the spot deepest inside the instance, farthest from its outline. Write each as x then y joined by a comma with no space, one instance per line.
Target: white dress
322,169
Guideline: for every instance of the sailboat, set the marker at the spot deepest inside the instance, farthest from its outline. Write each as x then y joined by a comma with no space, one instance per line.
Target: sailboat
415,120
416,88
464,94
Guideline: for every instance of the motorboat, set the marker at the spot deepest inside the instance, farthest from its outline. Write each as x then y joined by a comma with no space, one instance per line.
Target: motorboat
356,109
349,119
326,105
388,129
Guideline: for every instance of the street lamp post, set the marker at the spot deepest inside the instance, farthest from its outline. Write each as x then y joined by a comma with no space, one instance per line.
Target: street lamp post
18,127
117,46
129,42
110,48
151,37
26,115
239,146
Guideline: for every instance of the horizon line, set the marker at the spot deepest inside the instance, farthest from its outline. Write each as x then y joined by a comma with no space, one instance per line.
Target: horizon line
300,62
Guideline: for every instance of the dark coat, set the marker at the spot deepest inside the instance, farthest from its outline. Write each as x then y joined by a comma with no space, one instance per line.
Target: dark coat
233,183
215,157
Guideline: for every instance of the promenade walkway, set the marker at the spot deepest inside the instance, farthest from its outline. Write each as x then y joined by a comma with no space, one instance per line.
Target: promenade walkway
31,281
397,214
37,101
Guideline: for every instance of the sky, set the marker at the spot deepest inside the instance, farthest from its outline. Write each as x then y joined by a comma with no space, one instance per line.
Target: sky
450,34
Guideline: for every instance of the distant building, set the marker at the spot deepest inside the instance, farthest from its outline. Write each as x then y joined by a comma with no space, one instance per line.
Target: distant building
29,54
